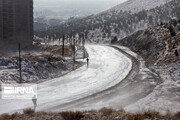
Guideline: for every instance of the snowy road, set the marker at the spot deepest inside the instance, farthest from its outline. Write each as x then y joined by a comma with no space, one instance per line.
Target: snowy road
140,91
107,68
139,83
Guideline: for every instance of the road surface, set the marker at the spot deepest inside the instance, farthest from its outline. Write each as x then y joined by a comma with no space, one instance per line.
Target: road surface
107,68
138,84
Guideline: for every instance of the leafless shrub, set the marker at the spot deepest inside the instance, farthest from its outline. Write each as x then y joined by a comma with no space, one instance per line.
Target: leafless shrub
28,111
5,116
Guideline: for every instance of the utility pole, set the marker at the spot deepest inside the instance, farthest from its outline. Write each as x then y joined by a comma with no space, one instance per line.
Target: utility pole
63,46
20,75
74,52
84,54
59,41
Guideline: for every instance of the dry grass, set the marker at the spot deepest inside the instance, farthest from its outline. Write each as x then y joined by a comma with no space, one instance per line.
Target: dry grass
147,115
28,111
102,114
43,57
106,111
72,115
5,116
56,49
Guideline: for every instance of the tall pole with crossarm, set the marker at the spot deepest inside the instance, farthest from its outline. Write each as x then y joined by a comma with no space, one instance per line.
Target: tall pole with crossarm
84,54
63,46
20,75
74,53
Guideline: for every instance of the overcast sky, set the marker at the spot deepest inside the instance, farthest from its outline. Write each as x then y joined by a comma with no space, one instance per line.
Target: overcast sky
75,4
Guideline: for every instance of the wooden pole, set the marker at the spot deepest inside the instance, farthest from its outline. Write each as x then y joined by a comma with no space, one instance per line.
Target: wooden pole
74,52
63,46
20,75
84,54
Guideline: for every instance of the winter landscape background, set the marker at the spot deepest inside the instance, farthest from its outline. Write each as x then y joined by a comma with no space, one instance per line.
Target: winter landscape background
133,72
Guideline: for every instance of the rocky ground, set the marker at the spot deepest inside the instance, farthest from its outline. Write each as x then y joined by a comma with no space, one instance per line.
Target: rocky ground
42,63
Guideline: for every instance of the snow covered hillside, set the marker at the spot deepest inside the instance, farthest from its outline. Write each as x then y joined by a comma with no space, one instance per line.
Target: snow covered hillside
119,21
160,47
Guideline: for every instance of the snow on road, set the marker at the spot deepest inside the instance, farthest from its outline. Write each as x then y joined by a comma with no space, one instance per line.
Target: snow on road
139,83
107,67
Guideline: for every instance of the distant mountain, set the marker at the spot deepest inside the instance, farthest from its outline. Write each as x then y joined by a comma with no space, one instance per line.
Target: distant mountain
120,21
136,6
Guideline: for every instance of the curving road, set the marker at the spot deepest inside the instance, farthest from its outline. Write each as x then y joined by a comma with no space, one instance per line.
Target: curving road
107,68
139,83
140,91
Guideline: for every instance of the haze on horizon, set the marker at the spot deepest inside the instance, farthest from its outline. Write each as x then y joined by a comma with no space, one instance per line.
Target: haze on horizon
74,7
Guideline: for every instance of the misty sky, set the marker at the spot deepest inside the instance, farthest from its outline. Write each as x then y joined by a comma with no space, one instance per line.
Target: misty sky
58,5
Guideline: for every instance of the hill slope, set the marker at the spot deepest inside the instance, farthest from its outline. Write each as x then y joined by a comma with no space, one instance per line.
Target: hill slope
136,6
160,48
157,45
102,27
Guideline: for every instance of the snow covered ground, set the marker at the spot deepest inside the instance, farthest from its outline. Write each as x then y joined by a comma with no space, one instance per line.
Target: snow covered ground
107,67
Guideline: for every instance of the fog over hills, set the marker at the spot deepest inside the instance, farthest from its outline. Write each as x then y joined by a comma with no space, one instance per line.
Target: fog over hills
73,7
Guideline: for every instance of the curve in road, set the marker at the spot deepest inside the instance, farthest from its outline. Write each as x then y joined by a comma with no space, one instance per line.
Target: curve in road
107,67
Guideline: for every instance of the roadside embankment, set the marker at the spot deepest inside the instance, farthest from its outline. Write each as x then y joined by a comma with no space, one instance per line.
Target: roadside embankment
39,64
